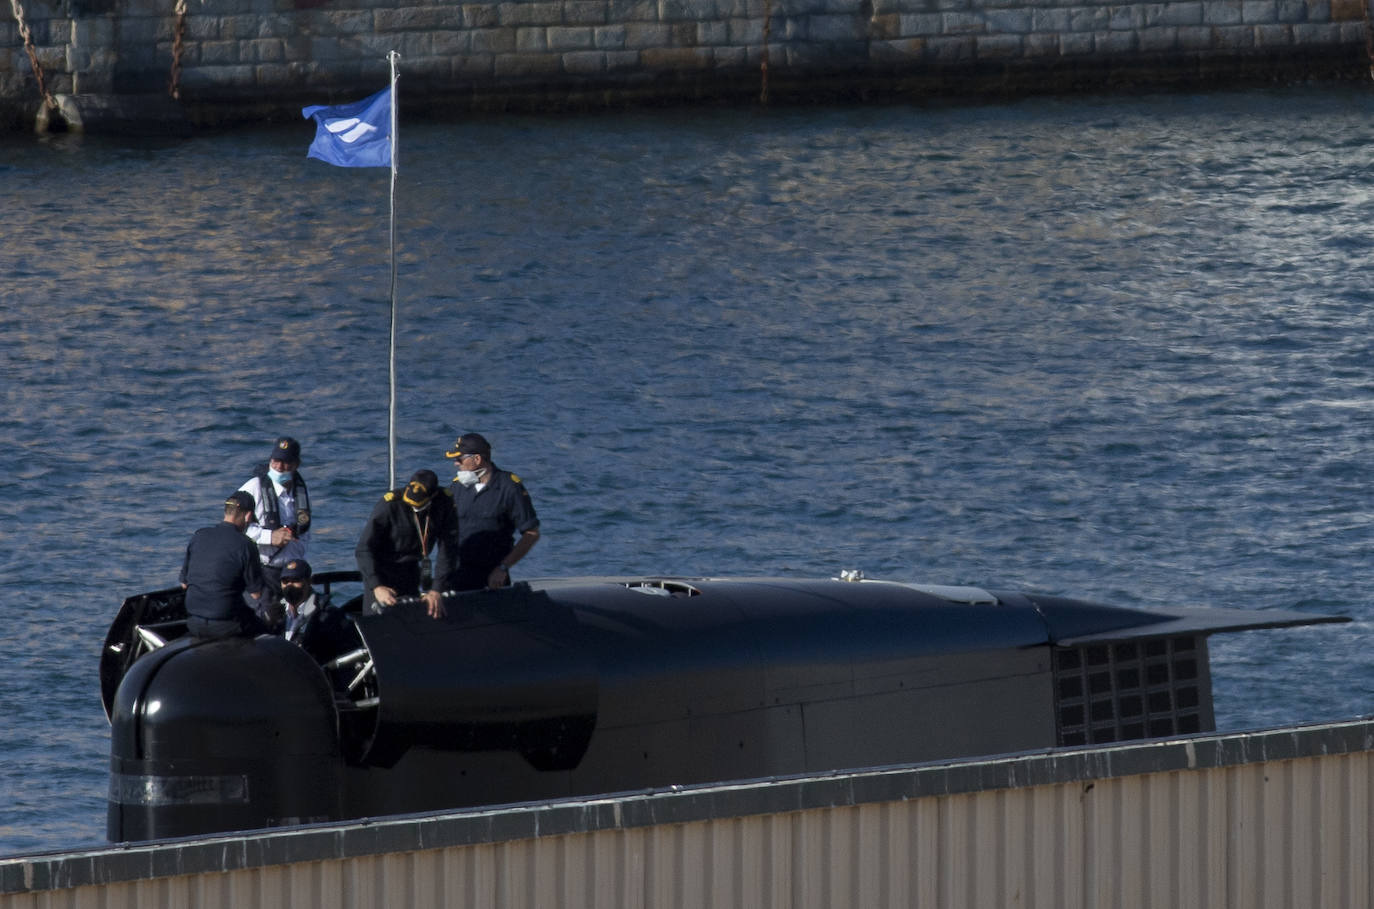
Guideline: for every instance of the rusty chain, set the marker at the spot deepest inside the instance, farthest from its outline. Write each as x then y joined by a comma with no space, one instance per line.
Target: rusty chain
24,32
1368,36
178,46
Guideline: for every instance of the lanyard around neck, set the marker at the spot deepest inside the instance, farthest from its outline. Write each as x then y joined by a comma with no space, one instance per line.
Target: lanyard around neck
423,533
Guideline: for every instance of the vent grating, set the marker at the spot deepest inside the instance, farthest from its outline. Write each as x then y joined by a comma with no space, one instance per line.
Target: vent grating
663,587
1125,690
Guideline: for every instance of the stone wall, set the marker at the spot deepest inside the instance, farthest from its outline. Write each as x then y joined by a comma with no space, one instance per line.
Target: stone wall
253,58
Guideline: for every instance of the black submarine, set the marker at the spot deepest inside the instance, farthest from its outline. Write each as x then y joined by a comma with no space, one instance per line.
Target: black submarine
568,687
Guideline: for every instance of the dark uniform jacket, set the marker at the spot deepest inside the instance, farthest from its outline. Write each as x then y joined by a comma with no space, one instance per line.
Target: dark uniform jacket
488,523
221,565
389,550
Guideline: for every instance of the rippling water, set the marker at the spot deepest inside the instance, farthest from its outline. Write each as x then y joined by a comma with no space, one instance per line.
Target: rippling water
1112,348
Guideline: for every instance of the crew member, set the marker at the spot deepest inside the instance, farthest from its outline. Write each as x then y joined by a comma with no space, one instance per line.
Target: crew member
282,508
493,506
299,600
221,565
394,549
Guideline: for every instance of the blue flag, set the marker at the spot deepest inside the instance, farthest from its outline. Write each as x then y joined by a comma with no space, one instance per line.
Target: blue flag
353,135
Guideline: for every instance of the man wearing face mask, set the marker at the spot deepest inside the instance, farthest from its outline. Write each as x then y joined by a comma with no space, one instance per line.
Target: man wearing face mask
282,525
299,601
493,506
394,548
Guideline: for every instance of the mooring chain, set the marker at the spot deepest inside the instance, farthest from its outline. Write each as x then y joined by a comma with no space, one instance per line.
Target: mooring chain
178,45
1368,36
48,99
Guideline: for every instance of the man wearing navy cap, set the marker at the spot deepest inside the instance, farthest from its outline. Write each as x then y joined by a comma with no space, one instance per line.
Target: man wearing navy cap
281,504
221,565
394,548
493,506
299,599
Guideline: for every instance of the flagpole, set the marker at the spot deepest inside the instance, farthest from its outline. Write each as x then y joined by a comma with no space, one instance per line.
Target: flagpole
392,57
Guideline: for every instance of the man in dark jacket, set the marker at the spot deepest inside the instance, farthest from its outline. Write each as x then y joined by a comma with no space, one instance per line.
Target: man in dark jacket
394,548
221,565
493,506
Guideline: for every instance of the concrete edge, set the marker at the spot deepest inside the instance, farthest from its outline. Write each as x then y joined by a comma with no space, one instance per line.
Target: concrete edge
677,805
901,79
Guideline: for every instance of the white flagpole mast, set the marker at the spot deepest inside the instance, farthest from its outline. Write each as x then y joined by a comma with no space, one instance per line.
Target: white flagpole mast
392,57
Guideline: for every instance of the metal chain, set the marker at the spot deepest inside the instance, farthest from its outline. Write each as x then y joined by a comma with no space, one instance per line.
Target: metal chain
178,46
1368,37
48,99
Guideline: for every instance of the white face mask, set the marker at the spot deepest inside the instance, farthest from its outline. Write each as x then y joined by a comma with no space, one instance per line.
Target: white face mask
467,477
278,477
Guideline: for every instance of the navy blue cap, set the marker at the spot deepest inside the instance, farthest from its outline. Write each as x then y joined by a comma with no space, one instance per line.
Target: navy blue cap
469,443
286,449
241,500
296,568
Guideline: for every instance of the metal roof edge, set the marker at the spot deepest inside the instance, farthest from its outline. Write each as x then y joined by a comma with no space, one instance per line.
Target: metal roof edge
673,805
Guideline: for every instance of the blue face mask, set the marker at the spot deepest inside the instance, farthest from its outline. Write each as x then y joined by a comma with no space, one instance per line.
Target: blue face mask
278,477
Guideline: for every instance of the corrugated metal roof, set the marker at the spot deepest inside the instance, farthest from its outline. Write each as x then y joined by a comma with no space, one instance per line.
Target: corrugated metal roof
1279,818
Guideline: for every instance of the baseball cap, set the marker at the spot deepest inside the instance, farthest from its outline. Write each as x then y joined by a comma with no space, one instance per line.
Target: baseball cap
469,443
241,500
286,449
296,568
421,488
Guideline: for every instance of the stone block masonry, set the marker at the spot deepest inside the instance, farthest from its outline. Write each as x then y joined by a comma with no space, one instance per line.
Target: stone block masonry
242,59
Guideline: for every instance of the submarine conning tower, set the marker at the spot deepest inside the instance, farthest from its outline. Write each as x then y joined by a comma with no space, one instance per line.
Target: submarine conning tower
222,735
566,687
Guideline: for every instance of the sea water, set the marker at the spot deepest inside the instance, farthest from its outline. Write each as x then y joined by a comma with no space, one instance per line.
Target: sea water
1114,348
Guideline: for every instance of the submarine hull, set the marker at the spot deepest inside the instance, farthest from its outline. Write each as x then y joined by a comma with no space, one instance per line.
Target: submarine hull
583,686
863,729
752,680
